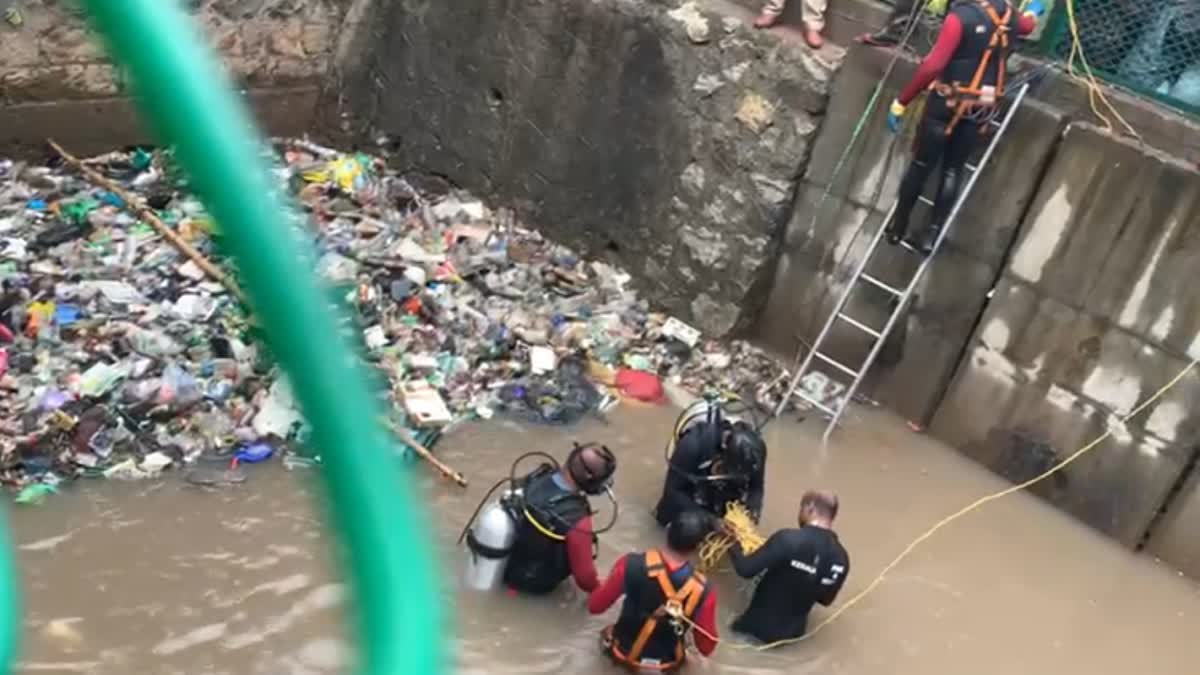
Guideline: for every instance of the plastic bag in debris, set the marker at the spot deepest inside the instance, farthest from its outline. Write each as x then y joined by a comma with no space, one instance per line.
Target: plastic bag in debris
349,172
562,397
639,385
35,493
277,415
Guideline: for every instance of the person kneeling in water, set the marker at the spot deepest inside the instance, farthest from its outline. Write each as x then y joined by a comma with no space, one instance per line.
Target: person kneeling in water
660,587
714,463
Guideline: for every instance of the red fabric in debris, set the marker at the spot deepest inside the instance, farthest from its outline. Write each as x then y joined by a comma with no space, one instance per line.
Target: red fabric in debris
640,385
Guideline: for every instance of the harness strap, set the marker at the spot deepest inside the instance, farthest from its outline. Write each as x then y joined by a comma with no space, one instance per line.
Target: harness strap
684,599
998,41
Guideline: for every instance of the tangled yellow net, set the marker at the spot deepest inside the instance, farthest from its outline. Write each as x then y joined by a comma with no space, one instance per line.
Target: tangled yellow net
717,544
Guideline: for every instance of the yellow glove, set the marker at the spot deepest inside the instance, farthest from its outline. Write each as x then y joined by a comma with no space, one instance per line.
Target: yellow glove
895,115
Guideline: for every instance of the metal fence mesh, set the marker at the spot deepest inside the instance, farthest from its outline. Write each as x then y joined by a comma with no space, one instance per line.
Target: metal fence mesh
1151,48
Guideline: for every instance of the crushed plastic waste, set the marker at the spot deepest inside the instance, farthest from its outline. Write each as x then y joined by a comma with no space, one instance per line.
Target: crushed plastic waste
121,358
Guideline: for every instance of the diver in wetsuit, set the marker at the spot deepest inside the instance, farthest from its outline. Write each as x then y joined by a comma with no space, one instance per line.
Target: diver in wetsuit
715,462
555,538
800,567
965,72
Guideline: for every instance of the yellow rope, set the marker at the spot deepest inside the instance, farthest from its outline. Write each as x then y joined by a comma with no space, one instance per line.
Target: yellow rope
858,597
716,545
1095,89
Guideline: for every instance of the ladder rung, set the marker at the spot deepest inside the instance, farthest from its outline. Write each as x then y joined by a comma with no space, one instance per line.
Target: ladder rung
972,168
994,122
905,245
837,364
859,325
925,200
880,284
817,404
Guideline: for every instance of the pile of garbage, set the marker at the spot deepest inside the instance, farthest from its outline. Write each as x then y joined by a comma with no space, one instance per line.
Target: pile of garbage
122,354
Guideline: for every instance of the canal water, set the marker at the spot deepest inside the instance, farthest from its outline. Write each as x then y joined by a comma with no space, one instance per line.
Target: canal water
159,577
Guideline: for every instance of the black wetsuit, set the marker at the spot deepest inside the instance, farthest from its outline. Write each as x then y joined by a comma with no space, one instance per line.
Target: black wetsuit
802,566
685,487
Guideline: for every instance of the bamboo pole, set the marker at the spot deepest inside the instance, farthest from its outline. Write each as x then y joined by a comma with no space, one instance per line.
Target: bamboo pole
425,454
134,203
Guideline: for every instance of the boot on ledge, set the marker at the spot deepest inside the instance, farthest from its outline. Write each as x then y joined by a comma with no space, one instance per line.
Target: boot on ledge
813,37
766,20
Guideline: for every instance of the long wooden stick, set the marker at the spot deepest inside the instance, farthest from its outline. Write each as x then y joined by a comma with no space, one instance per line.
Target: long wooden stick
135,204
425,454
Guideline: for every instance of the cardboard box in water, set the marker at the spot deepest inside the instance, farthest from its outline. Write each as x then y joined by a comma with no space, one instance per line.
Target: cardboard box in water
424,405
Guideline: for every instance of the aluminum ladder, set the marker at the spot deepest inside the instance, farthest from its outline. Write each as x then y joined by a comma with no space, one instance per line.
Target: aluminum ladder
900,296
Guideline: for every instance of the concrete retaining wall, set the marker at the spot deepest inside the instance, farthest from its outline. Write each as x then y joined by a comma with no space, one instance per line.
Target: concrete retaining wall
1094,313
55,78
666,137
1085,245
829,232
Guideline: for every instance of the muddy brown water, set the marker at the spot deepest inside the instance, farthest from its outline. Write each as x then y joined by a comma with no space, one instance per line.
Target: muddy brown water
163,578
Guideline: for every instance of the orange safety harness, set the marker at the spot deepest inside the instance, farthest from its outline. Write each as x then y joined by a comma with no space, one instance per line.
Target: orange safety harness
679,603
964,99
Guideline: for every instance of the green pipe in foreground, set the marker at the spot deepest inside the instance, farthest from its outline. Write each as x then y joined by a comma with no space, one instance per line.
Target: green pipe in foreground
191,105
10,603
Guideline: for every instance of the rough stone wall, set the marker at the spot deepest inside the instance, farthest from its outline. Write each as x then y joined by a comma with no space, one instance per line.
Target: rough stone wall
1095,311
53,55
53,70
663,136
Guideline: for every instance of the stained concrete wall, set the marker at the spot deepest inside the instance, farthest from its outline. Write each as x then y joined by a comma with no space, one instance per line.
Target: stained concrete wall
664,136
833,224
1174,538
1095,312
55,77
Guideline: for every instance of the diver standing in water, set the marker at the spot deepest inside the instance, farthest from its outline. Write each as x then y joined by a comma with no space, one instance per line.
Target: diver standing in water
540,531
664,596
714,462
800,567
965,73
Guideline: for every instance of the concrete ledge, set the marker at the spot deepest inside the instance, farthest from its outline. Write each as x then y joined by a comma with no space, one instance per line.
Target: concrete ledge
88,127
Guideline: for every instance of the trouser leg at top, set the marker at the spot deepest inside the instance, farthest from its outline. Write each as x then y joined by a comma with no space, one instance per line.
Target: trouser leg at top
896,24
774,7
814,14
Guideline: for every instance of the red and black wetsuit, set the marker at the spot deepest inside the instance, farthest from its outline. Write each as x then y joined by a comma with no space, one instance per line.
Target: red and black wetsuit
554,537
641,638
968,57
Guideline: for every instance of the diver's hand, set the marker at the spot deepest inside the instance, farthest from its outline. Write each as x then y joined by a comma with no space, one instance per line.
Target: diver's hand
895,117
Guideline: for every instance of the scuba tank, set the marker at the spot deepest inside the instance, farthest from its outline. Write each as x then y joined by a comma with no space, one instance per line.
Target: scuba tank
489,542
491,532
707,410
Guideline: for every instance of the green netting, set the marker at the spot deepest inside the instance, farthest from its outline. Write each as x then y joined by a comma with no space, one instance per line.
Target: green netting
1151,48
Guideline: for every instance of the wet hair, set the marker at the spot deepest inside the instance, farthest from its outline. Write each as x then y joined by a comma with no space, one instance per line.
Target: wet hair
823,502
591,467
689,528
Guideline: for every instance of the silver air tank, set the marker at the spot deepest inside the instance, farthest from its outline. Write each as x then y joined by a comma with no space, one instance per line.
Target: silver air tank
699,412
489,542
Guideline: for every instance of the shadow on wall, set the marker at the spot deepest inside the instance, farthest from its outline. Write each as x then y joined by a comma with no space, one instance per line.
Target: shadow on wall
557,109
665,138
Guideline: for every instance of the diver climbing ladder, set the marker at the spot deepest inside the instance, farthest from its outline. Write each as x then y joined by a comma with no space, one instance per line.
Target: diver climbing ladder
900,296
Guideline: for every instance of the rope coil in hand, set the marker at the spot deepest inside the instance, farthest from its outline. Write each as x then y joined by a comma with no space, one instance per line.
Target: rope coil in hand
714,547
